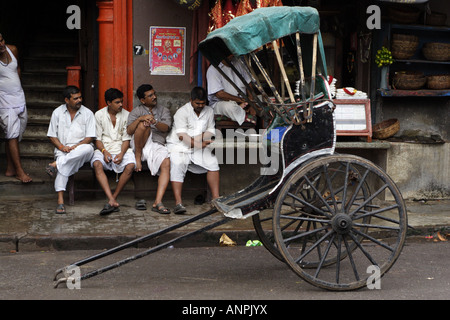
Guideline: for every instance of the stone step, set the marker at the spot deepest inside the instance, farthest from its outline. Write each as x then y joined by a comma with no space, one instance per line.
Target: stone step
66,49
43,78
48,64
36,129
43,93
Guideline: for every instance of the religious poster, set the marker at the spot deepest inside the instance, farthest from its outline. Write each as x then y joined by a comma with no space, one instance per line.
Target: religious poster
167,51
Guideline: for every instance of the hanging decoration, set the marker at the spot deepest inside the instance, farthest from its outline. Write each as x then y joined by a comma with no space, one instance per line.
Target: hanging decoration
244,7
229,11
190,4
216,17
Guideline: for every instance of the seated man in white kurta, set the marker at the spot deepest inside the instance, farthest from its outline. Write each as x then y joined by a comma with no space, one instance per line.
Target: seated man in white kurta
192,132
72,131
224,98
113,148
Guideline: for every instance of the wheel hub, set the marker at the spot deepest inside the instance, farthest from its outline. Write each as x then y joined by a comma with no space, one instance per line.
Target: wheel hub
342,223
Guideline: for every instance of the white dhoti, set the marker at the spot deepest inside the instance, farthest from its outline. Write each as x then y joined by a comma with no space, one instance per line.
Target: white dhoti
68,164
200,161
231,110
154,153
128,158
13,122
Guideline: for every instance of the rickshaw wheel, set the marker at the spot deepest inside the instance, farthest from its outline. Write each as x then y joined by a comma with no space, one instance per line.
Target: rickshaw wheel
332,230
262,222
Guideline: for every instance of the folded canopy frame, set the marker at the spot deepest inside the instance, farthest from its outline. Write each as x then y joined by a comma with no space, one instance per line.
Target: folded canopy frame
243,36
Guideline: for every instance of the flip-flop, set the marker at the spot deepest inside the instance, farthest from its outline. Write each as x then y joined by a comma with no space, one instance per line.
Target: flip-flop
108,209
51,171
60,209
160,208
179,209
141,205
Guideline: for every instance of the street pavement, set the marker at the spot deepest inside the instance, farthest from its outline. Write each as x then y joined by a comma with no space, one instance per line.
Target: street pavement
30,224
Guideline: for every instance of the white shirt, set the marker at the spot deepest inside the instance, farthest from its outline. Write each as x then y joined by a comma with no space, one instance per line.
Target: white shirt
69,132
216,82
187,121
112,136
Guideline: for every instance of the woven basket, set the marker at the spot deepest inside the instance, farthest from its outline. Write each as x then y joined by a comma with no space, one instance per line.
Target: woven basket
403,14
386,129
439,82
436,51
436,19
408,80
404,46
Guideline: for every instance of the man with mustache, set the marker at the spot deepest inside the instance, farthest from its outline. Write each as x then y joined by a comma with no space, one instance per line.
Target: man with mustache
149,124
13,110
72,132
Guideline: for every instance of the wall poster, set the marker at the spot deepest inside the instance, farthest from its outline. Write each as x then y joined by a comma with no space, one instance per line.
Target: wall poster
167,51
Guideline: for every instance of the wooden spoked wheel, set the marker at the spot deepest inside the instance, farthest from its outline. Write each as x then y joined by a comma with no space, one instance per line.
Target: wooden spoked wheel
339,222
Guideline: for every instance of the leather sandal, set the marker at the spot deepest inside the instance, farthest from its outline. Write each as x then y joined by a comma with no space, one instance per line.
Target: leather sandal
160,208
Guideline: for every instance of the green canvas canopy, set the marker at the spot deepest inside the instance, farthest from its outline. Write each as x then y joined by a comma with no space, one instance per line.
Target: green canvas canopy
247,33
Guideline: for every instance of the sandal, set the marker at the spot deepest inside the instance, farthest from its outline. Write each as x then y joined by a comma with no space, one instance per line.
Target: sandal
160,208
108,209
141,205
179,209
60,209
51,171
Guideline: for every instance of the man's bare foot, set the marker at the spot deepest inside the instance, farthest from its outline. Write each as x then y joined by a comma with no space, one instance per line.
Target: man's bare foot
138,167
114,203
25,178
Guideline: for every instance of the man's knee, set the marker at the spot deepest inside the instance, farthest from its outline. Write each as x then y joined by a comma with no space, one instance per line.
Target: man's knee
97,165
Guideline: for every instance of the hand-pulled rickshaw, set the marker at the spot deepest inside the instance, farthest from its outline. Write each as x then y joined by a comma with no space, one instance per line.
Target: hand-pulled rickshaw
334,219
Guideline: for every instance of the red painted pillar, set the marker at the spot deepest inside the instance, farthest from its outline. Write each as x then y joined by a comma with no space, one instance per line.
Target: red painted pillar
115,49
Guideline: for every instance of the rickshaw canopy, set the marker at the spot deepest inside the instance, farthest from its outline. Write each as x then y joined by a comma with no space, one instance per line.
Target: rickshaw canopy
247,33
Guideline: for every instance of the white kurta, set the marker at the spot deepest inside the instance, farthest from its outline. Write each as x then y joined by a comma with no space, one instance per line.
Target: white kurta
216,83
184,158
71,133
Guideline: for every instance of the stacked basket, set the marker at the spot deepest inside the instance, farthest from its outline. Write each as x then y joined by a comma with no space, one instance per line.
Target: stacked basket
439,82
408,80
404,46
436,51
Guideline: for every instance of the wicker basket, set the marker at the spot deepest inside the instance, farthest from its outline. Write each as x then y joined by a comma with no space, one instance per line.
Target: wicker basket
436,19
439,82
408,80
403,14
386,129
436,51
404,46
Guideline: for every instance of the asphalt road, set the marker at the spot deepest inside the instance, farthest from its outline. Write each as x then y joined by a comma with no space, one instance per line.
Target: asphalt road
220,274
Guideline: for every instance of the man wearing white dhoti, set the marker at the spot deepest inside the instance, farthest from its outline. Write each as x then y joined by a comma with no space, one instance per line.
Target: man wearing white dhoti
149,124
188,144
72,131
113,148
13,110
224,98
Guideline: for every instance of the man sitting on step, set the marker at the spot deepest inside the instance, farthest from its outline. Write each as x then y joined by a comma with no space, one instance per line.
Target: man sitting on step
72,132
113,148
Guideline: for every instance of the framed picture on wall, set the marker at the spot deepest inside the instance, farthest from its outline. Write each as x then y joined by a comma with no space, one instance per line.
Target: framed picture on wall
167,51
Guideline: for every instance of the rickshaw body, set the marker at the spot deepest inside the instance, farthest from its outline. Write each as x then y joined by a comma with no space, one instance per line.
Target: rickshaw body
320,212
